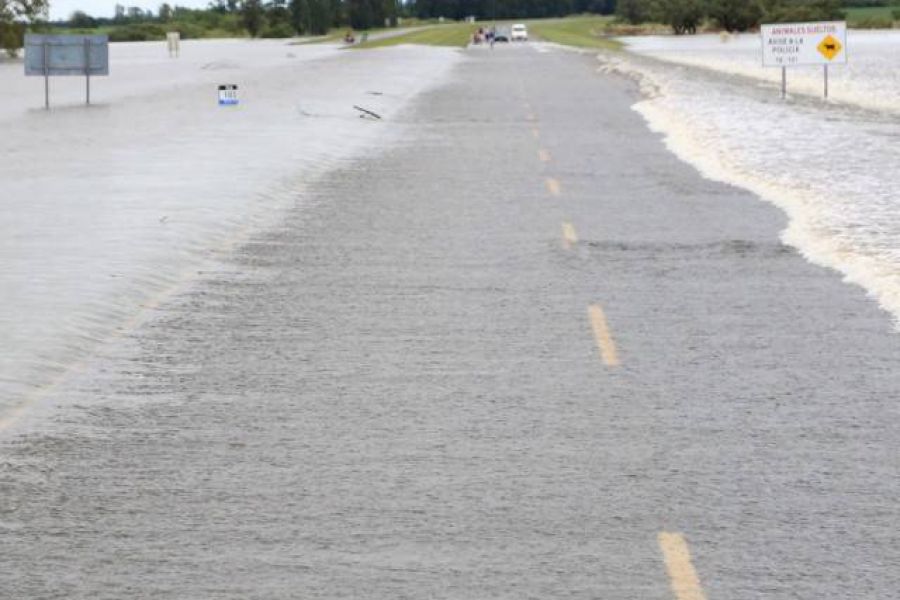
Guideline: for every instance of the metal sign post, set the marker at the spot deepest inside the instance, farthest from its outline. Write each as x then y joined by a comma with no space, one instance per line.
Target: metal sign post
173,43
826,80
783,83
45,64
87,71
48,55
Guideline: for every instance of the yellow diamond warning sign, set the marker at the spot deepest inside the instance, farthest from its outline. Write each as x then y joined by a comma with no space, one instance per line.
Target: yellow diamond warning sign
829,47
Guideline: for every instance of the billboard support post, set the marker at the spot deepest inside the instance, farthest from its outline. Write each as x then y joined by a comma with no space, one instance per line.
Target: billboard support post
46,66
87,71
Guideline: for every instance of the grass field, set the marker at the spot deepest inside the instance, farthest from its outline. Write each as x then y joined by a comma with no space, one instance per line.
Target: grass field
582,32
589,31
451,34
869,12
877,17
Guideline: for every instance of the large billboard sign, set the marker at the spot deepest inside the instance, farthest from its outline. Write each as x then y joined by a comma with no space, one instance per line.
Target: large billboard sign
51,55
66,55
796,44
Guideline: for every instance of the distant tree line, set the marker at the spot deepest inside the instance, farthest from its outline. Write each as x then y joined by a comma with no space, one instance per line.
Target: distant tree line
257,18
311,17
685,16
283,18
506,9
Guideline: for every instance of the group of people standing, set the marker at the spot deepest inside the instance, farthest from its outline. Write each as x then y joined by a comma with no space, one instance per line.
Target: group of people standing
484,36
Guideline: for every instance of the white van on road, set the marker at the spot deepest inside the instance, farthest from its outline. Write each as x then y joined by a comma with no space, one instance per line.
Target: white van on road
519,33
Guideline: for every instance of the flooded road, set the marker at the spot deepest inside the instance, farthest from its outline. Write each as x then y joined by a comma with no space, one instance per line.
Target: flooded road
527,353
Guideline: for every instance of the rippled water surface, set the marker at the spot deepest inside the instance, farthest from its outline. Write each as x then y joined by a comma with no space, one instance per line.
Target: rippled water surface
831,165
108,208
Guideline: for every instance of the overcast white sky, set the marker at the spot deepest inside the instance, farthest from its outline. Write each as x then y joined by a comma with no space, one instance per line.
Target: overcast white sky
61,9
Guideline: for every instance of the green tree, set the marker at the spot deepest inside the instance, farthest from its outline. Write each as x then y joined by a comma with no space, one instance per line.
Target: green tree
602,7
165,12
277,21
320,16
390,10
633,11
252,16
684,16
338,10
361,13
82,20
300,16
736,15
783,11
14,16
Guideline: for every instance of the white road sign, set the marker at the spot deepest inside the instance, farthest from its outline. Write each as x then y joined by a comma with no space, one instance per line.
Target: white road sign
228,95
794,44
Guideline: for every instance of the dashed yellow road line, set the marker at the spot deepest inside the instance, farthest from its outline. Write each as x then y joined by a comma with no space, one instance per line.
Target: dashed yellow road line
543,155
530,117
553,186
570,238
683,576
605,343
535,133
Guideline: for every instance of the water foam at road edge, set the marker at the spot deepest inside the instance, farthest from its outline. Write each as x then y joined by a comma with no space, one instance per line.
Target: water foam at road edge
880,279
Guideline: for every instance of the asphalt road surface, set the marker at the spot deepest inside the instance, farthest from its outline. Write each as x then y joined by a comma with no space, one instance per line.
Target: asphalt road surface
527,353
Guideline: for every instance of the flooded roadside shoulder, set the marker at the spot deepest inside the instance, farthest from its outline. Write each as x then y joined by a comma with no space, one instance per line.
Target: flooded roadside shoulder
109,208
828,166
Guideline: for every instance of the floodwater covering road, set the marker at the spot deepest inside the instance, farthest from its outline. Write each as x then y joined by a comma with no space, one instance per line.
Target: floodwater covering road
524,353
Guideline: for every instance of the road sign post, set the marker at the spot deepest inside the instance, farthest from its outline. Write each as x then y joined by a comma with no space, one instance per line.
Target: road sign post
173,43
797,44
87,71
50,55
45,67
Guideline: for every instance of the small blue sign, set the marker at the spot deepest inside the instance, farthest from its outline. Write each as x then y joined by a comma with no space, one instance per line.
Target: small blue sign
228,95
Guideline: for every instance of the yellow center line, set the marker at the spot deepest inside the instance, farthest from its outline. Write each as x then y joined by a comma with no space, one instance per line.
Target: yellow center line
543,155
570,238
553,186
685,582
530,117
605,343
535,132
